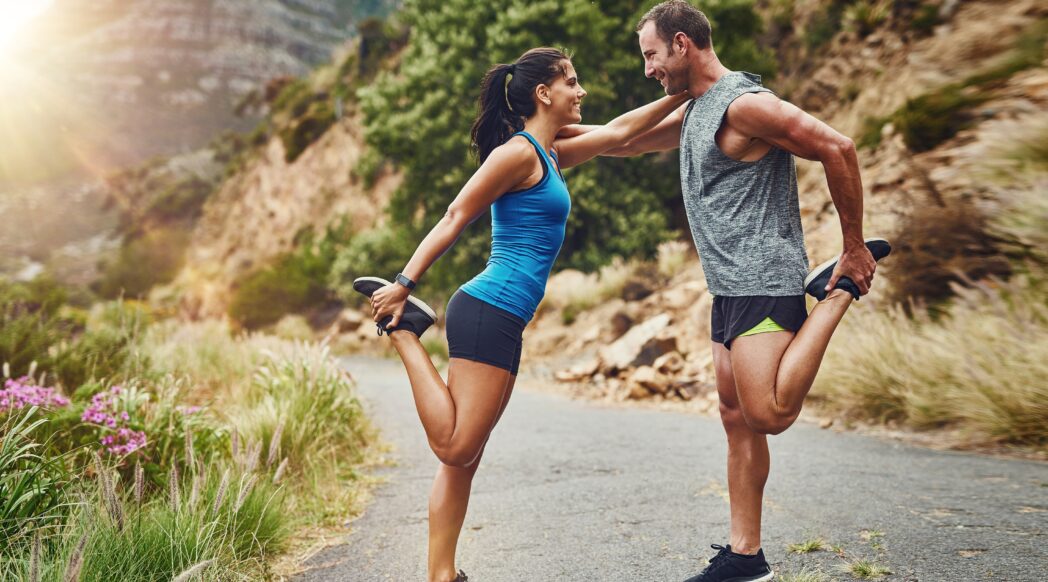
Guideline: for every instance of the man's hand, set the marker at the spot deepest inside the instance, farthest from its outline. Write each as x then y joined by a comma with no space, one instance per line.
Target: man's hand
389,300
857,264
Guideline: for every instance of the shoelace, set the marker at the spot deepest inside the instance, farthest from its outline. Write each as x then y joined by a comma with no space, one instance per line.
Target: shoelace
720,559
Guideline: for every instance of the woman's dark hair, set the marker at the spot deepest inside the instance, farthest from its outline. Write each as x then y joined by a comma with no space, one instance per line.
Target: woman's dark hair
503,106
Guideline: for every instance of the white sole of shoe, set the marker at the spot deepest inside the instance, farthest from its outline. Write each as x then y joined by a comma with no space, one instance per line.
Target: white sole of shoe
822,266
411,299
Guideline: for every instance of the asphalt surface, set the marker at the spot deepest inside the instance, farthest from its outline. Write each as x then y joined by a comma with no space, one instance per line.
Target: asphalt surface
575,491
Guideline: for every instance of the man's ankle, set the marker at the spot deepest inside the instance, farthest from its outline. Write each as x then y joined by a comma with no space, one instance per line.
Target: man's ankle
745,549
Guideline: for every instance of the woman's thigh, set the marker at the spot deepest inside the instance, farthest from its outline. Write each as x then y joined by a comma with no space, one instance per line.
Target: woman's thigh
480,391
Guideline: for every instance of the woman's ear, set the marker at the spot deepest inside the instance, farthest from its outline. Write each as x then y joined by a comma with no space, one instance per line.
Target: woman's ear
542,92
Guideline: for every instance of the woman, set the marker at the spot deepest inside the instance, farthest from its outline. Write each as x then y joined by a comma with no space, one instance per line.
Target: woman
522,108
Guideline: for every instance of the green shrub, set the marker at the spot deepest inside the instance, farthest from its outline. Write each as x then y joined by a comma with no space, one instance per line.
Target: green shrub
865,16
182,201
381,252
291,285
306,129
926,18
825,24
144,261
930,119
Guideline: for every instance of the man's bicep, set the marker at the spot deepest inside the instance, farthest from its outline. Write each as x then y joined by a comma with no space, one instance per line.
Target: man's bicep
781,123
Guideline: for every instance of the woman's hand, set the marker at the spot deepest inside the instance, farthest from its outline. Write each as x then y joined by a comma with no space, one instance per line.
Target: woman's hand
389,300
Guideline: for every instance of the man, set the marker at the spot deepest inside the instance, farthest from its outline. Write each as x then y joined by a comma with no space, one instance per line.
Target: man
739,182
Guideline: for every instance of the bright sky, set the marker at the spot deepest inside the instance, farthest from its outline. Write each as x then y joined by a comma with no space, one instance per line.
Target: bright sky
14,14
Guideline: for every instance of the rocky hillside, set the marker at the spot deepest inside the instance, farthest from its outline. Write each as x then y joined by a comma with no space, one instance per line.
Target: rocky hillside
132,79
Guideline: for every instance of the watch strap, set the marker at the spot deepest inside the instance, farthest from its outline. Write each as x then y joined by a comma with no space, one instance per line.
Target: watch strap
405,281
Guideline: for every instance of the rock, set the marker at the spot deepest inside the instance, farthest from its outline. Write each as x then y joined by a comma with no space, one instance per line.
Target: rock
639,346
349,320
669,363
578,372
620,324
826,423
637,392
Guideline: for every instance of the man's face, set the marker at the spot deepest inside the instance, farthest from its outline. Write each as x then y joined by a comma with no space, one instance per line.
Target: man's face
662,61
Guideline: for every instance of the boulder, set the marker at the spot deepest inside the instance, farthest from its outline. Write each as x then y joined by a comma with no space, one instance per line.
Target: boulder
578,372
639,346
349,320
669,363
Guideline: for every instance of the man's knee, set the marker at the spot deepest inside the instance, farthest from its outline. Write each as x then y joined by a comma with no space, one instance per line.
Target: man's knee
770,423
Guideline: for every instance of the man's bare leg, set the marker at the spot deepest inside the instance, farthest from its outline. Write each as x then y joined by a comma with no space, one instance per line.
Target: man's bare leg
748,460
774,371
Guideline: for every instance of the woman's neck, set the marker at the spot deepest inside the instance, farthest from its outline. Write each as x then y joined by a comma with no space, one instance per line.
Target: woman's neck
543,129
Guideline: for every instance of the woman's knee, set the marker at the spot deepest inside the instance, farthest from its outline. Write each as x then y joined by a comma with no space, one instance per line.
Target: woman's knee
460,456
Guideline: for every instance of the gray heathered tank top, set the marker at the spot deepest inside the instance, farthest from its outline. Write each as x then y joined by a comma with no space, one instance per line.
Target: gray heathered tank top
744,216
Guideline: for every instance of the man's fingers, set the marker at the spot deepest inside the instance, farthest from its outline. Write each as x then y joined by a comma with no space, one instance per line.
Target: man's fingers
393,323
833,280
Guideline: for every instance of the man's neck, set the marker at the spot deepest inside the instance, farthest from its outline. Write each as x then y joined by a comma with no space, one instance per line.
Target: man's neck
704,74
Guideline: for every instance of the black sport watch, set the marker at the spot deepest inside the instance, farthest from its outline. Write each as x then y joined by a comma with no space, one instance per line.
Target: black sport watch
403,280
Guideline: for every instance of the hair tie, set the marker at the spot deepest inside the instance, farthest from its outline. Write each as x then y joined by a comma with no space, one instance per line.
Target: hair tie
512,69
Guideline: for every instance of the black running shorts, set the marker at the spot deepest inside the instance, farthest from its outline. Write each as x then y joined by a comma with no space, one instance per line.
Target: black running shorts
733,316
479,331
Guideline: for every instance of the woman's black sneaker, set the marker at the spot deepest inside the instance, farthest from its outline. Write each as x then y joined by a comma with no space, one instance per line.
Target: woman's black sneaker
461,577
727,566
815,282
417,315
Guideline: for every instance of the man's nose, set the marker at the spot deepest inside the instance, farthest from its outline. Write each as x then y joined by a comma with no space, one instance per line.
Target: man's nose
649,71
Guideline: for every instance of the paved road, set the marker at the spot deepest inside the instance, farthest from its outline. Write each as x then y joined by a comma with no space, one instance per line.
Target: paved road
572,491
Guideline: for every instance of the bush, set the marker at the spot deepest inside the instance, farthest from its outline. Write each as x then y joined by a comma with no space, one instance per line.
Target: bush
926,121
292,285
144,261
306,129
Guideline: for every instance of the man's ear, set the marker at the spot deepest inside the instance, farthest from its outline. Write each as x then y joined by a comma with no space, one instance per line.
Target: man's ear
542,92
680,43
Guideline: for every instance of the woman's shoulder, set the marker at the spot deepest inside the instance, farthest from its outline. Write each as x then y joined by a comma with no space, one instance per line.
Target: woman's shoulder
516,150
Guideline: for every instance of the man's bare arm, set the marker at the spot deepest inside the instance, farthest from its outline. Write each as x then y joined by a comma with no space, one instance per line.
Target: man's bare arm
766,117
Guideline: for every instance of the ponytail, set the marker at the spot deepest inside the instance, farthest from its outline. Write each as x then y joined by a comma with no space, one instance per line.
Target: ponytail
506,97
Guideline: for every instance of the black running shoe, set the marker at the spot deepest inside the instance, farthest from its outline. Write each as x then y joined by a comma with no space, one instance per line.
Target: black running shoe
461,577
815,282
727,566
417,315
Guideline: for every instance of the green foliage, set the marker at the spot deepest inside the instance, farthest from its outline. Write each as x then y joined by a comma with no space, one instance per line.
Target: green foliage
380,253
153,258
825,24
419,118
933,118
31,483
926,18
306,128
293,284
865,16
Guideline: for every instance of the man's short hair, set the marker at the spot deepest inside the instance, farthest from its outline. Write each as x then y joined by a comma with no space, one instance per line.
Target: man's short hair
675,16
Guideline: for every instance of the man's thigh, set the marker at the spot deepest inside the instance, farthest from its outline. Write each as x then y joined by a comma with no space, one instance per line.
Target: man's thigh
755,366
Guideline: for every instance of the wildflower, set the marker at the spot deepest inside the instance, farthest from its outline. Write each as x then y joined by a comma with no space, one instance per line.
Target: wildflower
22,393
124,441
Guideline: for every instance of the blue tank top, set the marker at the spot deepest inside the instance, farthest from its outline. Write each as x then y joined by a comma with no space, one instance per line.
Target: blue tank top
527,231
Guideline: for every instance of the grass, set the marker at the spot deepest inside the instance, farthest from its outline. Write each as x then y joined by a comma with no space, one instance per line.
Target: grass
248,439
805,575
981,368
807,546
865,569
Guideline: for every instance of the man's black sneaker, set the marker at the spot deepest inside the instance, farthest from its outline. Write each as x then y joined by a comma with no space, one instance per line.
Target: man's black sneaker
727,566
417,315
815,282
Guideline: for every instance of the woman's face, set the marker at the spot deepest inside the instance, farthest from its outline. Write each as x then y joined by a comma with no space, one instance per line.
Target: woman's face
566,95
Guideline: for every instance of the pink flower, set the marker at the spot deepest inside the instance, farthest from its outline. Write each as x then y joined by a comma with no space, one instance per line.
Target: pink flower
124,442
22,393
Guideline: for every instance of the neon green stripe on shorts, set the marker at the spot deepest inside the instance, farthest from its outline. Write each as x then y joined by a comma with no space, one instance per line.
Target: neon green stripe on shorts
763,327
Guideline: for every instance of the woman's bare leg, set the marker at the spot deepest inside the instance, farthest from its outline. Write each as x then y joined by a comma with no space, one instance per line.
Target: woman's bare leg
448,502
458,415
